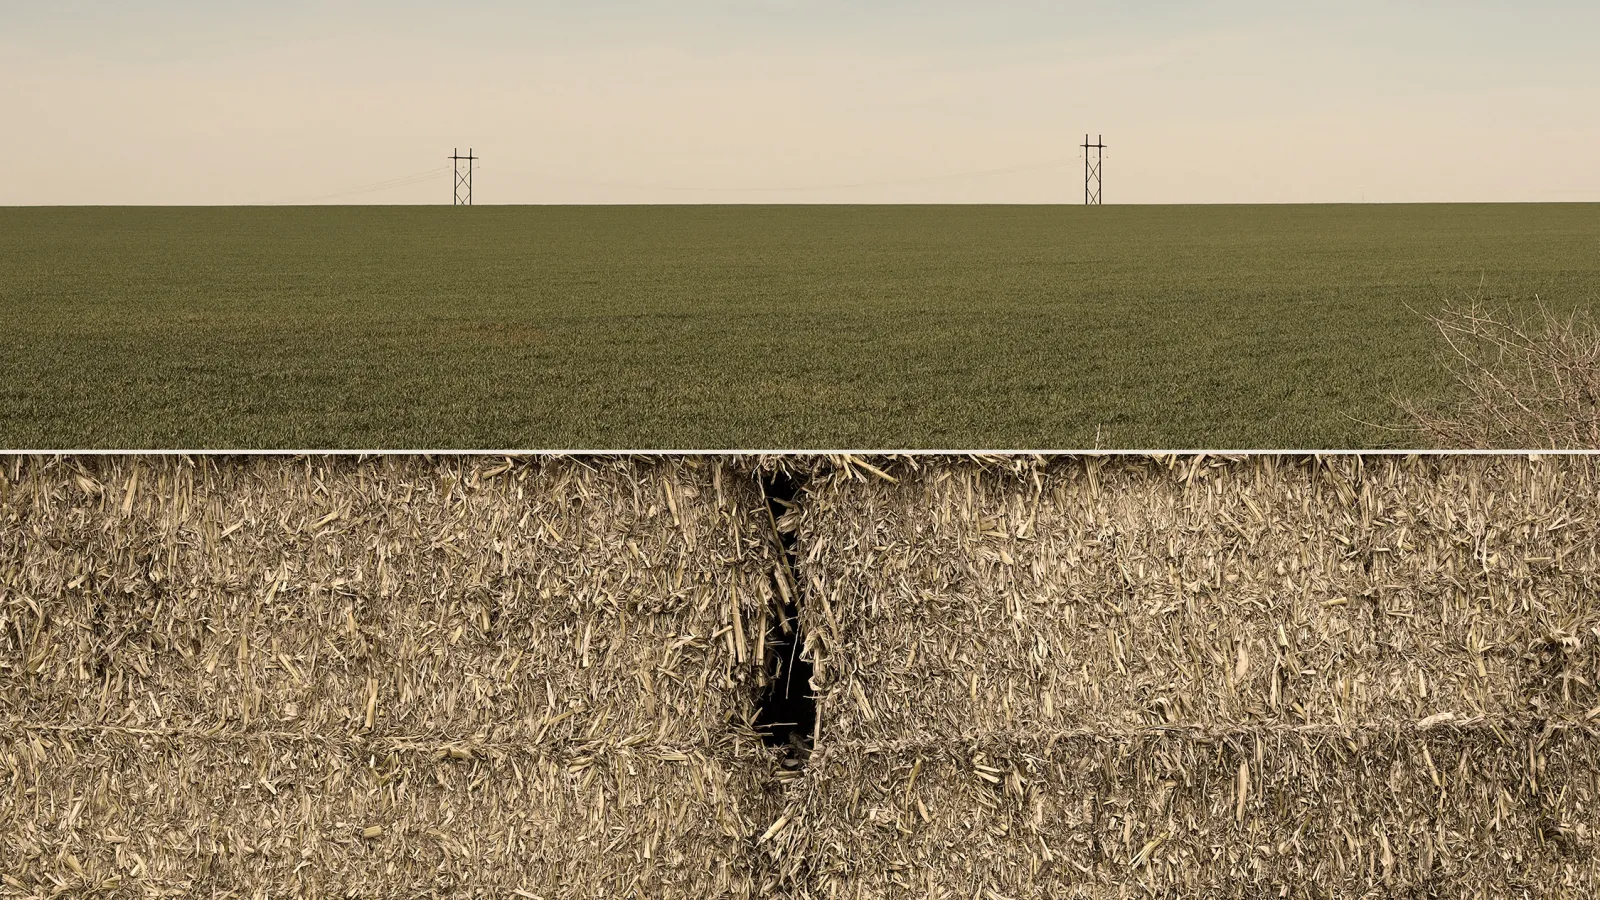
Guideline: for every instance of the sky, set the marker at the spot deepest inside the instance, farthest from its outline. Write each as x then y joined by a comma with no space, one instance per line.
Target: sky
782,101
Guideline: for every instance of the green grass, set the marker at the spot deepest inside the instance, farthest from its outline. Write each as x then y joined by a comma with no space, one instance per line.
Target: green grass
747,326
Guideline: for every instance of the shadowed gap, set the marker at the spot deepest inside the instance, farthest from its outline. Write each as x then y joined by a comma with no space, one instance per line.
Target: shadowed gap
786,710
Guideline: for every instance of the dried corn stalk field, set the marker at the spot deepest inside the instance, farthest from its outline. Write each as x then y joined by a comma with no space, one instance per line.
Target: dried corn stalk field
270,677
1343,677
1071,677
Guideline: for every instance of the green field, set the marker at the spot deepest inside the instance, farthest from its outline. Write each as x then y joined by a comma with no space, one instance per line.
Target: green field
748,326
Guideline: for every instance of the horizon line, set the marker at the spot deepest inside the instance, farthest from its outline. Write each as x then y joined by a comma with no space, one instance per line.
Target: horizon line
813,203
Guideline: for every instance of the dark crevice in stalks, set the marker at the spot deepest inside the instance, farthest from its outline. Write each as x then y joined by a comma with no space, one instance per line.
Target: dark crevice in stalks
786,710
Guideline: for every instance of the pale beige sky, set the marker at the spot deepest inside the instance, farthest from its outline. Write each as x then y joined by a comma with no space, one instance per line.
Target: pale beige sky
182,102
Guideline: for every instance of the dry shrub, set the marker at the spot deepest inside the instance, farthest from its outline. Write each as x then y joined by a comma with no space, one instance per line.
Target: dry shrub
1523,381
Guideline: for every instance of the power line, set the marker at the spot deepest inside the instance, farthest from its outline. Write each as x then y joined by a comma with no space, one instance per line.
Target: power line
387,184
463,179
819,187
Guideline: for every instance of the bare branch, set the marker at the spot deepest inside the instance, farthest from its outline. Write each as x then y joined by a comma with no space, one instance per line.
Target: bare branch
1520,382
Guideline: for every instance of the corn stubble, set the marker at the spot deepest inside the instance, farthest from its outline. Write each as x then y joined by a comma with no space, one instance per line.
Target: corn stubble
1193,677
374,678
1068,677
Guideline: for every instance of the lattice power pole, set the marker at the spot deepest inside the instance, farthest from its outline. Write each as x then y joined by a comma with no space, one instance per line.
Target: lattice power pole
1091,169
464,180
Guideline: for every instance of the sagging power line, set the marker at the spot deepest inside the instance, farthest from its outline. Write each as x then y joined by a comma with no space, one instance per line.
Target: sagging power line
398,181
462,179
814,187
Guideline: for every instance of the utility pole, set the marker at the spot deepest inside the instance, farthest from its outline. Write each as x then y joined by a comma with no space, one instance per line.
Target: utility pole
1091,169
464,180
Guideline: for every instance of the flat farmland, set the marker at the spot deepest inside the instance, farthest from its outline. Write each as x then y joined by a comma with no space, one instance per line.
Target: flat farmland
714,327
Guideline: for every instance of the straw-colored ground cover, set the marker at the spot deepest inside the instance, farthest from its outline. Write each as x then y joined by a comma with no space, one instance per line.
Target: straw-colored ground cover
269,678
1095,678
1332,678
745,327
